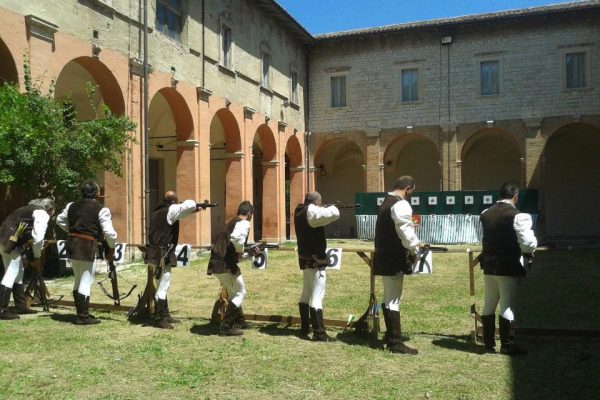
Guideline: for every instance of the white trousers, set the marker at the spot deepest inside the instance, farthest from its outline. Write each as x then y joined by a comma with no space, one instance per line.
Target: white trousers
234,284
163,283
503,290
392,291
313,287
13,268
84,276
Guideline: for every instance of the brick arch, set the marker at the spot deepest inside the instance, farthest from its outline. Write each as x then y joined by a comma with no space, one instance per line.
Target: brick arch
294,151
264,136
110,90
265,183
339,175
415,155
294,181
8,67
231,128
490,157
182,116
571,182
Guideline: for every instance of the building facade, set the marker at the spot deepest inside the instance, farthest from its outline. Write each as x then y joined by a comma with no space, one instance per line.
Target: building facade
244,104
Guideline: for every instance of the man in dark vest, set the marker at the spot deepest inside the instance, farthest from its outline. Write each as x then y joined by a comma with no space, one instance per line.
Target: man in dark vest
163,237
310,219
87,222
396,244
226,253
507,234
23,229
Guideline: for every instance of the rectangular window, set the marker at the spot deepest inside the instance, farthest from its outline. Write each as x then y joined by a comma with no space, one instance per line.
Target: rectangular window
489,78
575,69
294,83
226,41
338,91
266,66
169,18
410,84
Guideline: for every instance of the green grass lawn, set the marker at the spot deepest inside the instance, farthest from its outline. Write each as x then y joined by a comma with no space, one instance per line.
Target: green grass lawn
46,357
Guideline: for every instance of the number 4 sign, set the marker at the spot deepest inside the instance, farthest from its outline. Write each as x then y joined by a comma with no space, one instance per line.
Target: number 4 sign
183,253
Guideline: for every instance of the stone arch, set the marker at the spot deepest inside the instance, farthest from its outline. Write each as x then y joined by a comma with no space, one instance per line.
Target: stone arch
571,182
225,168
293,181
170,125
413,155
8,67
339,175
264,183
489,158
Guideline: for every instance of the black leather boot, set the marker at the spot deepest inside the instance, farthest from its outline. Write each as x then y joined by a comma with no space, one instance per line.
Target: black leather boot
168,316
395,343
240,319
160,315
388,323
304,320
4,299
20,297
507,345
82,303
489,332
228,322
319,333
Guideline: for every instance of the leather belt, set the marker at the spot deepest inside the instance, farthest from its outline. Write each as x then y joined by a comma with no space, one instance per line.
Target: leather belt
82,236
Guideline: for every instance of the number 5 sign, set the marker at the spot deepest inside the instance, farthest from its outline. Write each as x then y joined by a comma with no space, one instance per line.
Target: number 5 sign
334,256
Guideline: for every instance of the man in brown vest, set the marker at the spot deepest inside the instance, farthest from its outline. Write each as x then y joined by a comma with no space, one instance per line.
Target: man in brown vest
396,244
163,237
14,242
310,219
87,223
507,234
226,253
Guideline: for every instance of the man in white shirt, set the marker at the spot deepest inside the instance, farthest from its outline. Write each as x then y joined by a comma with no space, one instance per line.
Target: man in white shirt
163,237
34,217
227,251
87,222
310,218
396,244
507,234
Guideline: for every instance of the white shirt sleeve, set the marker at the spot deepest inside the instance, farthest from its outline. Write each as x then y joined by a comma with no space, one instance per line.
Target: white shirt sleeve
40,225
321,216
180,211
110,235
405,228
62,220
239,235
523,226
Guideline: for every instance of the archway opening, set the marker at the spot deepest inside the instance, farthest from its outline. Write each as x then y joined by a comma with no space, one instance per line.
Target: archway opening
8,68
416,156
293,182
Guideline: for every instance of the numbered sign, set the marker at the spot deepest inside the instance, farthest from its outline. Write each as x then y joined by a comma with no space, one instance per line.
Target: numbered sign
120,253
183,253
62,249
425,267
334,256
260,261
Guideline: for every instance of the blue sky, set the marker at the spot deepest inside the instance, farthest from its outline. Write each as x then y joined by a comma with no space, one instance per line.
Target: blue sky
323,16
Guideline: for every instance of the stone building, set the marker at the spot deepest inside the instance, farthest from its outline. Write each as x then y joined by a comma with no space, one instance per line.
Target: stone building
236,85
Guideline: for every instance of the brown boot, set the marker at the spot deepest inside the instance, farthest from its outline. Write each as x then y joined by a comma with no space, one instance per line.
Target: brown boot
20,297
4,299
507,345
160,315
240,320
169,318
489,333
304,320
228,322
82,303
395,343
319,333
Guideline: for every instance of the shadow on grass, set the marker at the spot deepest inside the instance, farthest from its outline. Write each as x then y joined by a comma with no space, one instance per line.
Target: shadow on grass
459,343
66,318
207,329
280,330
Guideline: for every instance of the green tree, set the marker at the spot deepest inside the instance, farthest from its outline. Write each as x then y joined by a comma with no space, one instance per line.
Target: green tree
46,152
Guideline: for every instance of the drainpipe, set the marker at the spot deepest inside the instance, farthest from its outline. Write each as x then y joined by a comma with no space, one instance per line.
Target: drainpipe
146,129
203,41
